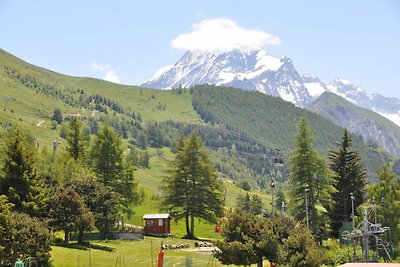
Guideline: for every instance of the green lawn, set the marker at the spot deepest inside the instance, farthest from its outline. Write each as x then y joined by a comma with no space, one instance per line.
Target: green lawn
130,253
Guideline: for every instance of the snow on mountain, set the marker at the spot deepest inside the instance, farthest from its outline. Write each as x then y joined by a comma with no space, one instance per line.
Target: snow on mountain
394,117
249,70
388,107
256,70
314,86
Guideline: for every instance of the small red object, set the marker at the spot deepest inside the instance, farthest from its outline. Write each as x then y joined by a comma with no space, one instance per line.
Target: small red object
160,258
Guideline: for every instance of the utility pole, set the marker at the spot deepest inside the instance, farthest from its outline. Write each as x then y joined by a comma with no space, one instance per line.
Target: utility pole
55,149
306,195
352,217
375,227
374,205
365,233
272,185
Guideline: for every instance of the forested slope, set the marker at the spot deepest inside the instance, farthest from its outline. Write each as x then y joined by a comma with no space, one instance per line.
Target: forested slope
272,121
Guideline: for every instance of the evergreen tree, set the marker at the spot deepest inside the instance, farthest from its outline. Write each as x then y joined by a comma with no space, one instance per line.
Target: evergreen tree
252,204
57,115
107,156
350,176
75,142
192,189
309,175
18,178
108,163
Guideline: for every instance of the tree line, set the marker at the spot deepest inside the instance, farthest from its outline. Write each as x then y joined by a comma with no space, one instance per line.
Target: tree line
80,189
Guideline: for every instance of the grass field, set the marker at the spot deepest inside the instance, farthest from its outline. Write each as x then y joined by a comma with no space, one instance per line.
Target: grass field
130,253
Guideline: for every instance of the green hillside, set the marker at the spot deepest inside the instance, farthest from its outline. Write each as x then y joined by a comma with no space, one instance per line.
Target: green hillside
244,130
359,120
272,121
29,94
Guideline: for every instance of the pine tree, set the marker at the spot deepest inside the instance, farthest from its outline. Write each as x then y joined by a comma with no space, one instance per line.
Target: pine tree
309,175
19,180
57,116
192,189
350,177
107,156
109,165
252,204
75,142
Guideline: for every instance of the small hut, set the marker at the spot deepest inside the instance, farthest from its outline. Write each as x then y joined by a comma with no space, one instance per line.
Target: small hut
157,224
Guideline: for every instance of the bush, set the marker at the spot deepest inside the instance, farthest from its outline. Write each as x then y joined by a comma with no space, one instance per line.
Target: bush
21,232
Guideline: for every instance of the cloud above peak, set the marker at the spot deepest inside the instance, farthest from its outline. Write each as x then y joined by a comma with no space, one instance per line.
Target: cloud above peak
221,35
110,74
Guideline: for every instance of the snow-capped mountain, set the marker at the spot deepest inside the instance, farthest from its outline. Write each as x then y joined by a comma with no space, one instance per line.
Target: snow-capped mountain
388,107
249,70
258,70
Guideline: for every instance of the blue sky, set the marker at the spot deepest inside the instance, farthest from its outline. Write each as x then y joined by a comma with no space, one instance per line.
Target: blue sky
357,40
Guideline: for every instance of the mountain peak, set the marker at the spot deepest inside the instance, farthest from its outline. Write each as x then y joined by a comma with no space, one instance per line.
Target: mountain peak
251,69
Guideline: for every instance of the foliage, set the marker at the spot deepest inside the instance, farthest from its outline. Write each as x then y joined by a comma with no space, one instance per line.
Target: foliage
107,156
387,196
138,158
309,176
22,236
108,164
101,202
350,176
300,249
249,238
250,204
57,115
192,190
68,212
19,180
270,120
75,142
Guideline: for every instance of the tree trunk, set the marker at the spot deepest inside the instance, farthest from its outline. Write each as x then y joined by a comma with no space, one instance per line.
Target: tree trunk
192,225
188,234
80,235
66,237
260,261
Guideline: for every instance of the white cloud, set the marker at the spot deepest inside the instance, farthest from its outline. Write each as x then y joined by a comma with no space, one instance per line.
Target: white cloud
111,76
222,34
99,66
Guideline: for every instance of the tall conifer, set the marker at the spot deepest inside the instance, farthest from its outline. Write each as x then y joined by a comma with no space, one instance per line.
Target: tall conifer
350,176
192,189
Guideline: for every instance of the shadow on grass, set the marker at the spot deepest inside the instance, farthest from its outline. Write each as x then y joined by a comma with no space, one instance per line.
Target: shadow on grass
195,238
86,246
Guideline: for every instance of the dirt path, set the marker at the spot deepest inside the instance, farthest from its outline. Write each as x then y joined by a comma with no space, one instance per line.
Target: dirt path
39,124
